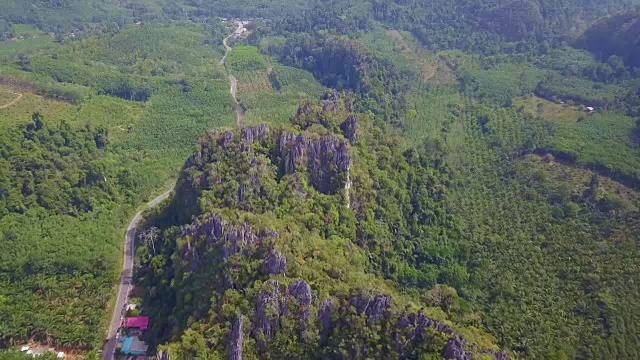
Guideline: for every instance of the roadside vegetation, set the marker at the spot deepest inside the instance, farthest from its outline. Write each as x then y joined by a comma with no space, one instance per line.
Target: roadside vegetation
100,129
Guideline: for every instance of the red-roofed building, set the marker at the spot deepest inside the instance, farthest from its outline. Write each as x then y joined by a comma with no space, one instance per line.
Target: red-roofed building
137,322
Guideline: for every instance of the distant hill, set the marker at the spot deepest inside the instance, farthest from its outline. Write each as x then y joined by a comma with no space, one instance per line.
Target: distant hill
485,25
616,35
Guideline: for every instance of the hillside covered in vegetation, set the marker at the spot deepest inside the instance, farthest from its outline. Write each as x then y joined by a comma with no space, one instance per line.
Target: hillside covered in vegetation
273,229
416,180
615,36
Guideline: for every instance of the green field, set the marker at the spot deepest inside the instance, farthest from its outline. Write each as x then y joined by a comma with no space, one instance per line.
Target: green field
7,97
11,48
549,110
20,112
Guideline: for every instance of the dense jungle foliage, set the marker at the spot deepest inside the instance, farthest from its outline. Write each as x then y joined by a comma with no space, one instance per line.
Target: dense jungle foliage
80,151
615,36
473,182
60,186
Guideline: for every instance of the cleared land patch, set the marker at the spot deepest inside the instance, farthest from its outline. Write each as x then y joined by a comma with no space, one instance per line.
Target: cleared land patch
580,180
550,110
253,81
8,98
398,39
430,66
21,111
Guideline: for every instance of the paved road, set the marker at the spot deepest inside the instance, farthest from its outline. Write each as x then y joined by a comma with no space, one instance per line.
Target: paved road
126,279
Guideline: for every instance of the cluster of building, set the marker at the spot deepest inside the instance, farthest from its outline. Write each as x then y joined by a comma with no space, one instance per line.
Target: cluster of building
128,336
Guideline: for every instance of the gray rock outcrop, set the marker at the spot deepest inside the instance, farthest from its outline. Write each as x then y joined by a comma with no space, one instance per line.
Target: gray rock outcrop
235,339
324,317
454,349
332,102
275,263
301,292
227,138
253,133
326,158
374,307
271,305
349,128
306,109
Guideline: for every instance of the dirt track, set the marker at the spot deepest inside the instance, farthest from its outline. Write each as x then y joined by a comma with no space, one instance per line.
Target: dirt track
12,101
224,41
239,111
232,79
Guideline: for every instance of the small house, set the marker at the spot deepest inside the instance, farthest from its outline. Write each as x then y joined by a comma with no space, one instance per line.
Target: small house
137,322
133,346
589,109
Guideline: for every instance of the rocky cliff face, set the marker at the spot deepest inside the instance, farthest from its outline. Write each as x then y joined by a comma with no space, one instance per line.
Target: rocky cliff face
325,311
323,161
163,355
235,339
349,128
211,230
325,158
271,305
275,263
455,350
373,307
253,133
281,298
301,292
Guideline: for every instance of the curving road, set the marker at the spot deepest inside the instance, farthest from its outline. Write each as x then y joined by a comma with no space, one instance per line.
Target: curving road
126,279
232,79
236,33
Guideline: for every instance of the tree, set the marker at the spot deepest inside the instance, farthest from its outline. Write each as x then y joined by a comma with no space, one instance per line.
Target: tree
149,237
